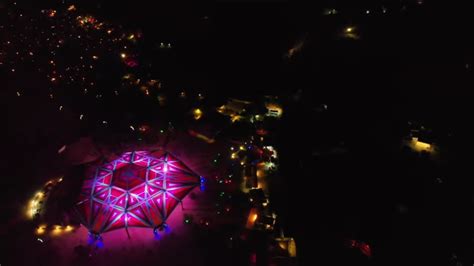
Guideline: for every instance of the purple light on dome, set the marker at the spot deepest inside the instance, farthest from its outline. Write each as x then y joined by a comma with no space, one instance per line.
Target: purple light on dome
134,183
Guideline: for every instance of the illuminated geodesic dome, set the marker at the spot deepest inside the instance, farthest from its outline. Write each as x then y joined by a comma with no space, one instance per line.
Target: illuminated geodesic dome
140,189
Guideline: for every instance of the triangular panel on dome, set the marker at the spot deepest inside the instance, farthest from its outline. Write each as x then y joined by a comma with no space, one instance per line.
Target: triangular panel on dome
156,184
99,188
133,199
169,205
107,179
140,212
121,201
127,157
101,216
152,174
102,195
183,178
136,222
140,159
109,166
101,172
115,222
158,168
138,192
180,191
156,205
116,192
142,153
178,164
120,163
152,210
152,190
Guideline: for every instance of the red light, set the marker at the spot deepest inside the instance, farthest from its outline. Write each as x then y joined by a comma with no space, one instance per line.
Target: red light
365,249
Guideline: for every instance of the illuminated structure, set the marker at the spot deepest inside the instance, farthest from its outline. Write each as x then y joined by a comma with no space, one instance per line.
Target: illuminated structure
420,146
140,189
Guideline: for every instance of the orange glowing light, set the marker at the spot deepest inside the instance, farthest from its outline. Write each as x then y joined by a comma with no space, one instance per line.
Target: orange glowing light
57,230
254,217
41,229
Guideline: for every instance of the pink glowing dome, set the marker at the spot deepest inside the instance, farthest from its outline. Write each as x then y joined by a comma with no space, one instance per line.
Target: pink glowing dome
139,189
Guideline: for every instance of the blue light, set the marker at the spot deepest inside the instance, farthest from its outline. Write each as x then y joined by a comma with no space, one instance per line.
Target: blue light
203,181
100,243
90,239
156,235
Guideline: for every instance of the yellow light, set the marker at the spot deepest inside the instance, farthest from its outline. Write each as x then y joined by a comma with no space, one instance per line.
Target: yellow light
197,113
32,208
68,228
274,109
123,55
221,109
71,8
242,148
283,245
131,37
233,156
349,29
292,248
41,229
57,230
234,118
109,31
420,146
242,163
